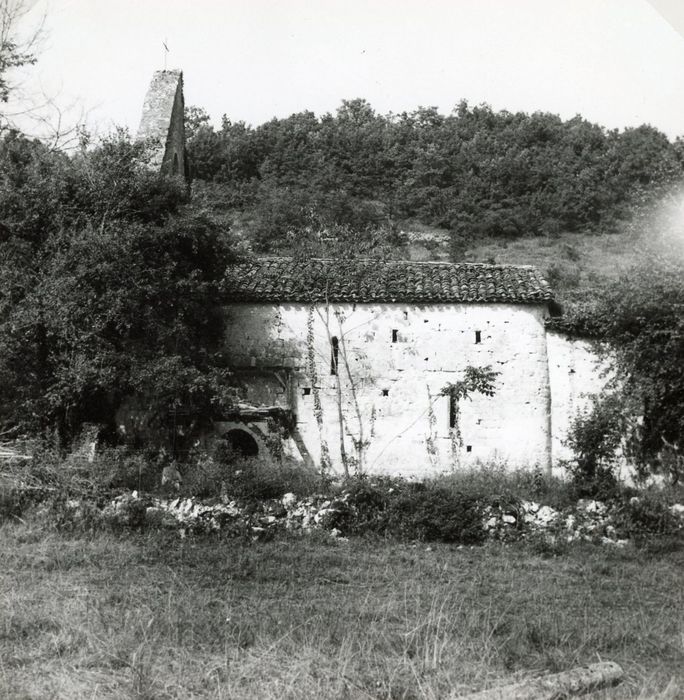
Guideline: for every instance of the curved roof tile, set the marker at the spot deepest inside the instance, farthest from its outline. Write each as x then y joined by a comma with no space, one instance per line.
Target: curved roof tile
374,281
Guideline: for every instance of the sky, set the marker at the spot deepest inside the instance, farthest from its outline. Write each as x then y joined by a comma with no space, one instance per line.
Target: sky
616,62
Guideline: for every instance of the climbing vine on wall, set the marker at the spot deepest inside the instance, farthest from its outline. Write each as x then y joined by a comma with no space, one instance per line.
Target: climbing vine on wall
480,380
315,391
430,439
274,439
455,436
360,442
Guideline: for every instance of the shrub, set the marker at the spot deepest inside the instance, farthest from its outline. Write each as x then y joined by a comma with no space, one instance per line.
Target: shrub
62,513
14,500
495,478
222,472
648,514
435,514
595,437
123,468
368,501
423,511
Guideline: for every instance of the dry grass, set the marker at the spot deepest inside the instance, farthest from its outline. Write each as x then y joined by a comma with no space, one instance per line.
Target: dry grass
151,616
574,263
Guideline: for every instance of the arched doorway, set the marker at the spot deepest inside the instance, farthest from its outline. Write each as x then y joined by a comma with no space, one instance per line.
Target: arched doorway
241,442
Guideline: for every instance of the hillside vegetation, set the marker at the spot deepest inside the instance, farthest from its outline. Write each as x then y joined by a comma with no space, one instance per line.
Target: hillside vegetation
477,177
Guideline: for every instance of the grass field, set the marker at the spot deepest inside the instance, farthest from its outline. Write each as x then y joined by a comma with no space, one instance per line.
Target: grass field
153,616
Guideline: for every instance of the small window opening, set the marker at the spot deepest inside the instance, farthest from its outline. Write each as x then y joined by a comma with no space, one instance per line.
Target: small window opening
469,448
385,392
453,411
395,335
406,315
306,391
478,336
334,354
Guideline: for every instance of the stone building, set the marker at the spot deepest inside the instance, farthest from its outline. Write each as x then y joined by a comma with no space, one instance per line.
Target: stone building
351,358
363,350
162,124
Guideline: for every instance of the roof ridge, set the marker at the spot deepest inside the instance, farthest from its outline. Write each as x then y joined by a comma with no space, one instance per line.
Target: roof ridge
279,279
447,263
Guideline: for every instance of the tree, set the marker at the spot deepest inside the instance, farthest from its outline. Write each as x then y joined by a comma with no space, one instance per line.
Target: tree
640,321
15,51
643,318
110,289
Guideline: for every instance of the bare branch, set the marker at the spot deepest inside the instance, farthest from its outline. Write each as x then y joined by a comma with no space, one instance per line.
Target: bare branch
16,49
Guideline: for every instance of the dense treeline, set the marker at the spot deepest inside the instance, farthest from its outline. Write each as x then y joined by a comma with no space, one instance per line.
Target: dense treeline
475,172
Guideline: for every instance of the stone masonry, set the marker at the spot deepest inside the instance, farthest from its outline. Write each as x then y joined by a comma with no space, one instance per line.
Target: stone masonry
162,123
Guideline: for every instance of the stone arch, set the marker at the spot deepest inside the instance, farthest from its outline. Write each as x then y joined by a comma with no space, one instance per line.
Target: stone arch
242,442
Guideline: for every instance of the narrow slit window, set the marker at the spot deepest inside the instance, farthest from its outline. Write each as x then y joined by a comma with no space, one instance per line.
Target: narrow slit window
478,337
469,448
334,354
395,335
453,412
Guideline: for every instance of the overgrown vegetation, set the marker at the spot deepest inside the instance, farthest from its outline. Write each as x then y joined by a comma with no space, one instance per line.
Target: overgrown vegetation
261,497
640,415
109,289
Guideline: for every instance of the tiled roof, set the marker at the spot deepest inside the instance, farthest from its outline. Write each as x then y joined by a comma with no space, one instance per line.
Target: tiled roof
286,280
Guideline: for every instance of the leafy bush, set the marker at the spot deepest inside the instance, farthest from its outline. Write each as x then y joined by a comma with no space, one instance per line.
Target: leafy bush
368,501
644,515
595,437
435,514
425,511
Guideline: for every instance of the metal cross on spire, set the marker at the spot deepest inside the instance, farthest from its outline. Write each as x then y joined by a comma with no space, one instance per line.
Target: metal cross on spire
166,51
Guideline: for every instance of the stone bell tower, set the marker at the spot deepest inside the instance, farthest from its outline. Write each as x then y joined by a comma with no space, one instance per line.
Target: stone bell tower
162,123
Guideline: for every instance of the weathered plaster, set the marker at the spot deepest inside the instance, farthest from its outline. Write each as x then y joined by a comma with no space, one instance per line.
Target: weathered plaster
433,345
575,372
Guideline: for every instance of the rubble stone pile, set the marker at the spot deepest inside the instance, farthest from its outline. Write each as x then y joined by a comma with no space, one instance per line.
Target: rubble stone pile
502,520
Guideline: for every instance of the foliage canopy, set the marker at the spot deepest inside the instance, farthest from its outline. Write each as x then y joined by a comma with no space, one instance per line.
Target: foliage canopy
109,287
475,172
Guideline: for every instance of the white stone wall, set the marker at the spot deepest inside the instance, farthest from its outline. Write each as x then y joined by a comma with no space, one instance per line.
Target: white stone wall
575,372
407,429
